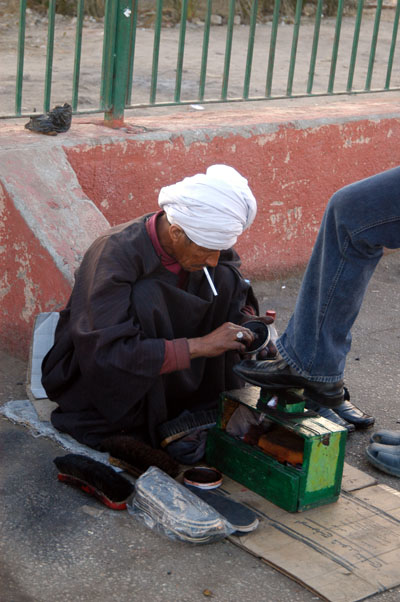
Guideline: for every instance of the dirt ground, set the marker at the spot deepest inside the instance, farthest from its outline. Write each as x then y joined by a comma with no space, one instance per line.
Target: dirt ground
90,72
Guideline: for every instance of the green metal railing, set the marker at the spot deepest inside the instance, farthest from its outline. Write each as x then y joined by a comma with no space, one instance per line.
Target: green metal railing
118,79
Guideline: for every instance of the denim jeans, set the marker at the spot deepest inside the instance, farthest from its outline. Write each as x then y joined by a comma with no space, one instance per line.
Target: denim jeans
359,221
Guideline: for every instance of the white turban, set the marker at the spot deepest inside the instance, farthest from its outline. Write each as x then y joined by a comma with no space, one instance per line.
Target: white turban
213,209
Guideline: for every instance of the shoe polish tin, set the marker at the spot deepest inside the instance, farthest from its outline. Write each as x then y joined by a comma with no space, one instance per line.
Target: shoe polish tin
202,477
261,335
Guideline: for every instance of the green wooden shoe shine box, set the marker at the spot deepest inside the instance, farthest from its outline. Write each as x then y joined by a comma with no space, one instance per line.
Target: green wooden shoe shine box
315,482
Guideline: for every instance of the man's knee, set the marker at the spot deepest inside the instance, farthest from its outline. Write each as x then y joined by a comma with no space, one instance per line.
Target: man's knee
341,204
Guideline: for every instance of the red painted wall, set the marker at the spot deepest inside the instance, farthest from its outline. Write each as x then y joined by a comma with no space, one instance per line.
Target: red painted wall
292,172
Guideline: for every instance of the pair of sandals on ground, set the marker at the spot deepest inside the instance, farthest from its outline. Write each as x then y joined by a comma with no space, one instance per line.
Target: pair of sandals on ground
384,451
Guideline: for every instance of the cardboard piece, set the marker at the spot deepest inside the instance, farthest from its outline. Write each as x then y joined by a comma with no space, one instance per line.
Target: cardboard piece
343,552
354,479
44,408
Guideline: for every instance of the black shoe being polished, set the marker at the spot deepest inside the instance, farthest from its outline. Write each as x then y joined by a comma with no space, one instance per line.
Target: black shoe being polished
278,375
330,415
351,413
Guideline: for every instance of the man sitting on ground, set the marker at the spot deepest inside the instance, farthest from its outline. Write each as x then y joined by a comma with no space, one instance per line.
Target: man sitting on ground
144,337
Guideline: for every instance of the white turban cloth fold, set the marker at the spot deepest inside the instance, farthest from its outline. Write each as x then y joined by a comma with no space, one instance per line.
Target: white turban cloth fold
213,209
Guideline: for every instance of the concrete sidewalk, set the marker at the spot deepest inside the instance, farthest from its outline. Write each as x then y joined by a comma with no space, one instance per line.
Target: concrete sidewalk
59,545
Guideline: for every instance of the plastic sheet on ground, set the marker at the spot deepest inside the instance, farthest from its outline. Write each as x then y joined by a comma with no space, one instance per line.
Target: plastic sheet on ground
22,411
169,508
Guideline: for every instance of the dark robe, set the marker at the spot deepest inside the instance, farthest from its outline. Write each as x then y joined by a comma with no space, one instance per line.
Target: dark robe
104,367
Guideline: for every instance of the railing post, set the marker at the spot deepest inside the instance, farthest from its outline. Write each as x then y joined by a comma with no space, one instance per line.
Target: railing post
20,61
116,60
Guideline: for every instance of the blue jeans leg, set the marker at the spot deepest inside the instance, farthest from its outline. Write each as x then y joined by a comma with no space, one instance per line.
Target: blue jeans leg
359,221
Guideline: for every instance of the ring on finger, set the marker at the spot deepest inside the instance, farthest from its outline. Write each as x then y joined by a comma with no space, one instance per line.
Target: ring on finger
239,335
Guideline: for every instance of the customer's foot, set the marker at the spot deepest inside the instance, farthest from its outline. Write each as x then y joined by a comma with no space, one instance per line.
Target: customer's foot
351,413
330,415
277,375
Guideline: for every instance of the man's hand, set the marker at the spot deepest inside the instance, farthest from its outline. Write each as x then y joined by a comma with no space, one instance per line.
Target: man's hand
224,338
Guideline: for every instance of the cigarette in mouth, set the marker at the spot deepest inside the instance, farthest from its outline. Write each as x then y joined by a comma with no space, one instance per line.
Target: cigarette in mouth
210,282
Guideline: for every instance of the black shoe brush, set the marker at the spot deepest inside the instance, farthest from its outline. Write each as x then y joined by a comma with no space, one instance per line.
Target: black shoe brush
136,457
95,478
185,424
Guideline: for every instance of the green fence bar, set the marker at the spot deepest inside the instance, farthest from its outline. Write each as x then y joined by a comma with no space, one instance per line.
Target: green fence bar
78,52
204,53
49,55
228,50
20,60
292,64
250,48
373,45
335,46
115,68
272,47
107,74
181,50
354,48
132,51
392,46
156,52
314,49
121,69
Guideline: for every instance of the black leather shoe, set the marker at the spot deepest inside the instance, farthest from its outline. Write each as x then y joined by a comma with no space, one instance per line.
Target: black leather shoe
349,412
278,375
330,415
